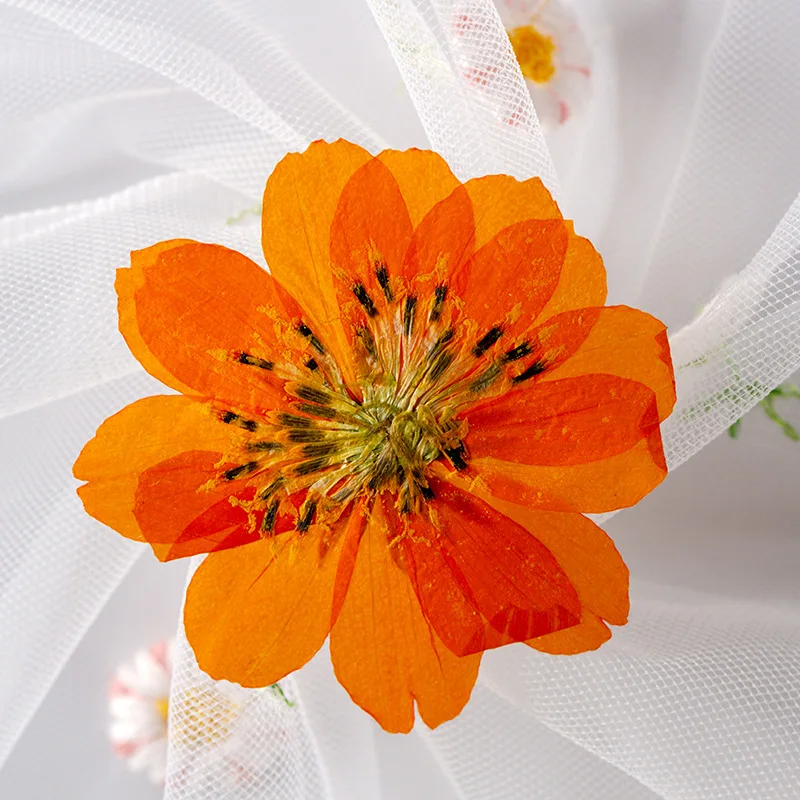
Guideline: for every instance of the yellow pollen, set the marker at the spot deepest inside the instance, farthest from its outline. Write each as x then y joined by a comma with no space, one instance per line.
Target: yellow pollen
162,707
534,52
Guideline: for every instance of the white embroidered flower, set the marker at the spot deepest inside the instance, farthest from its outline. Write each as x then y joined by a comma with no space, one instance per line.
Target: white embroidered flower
139,706
553,55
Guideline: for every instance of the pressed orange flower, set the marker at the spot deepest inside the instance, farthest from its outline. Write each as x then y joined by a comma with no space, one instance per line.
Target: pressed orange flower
390,438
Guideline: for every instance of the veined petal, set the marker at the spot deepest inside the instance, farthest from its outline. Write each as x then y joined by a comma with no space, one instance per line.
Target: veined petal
385,652
482,579
500,201
565,422
630,344
584,551
206,320
185,507
588,635
617,482
370,233
509,280
257,613
582,282
424,179
143,434
300,202
442,243
588,557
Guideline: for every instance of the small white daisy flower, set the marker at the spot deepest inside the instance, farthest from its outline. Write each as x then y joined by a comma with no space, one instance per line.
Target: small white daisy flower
139,706
553,55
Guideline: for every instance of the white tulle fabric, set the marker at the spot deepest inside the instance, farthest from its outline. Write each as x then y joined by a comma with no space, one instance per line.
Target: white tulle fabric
149,120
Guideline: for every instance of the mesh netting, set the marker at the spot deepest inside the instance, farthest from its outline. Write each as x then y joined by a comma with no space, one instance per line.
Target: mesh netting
696,698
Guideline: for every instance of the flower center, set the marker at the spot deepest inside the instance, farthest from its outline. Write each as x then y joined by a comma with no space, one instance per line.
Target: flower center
162,708
418,364
534,52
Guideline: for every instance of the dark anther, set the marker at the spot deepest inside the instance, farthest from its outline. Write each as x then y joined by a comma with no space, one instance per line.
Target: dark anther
382,274
441,342
229,418
427,492
318,411
309,467
312,364
306,515
272,488
304,330
440,366
487,340
408,315
292,421
313,395
515,353
439,295
320,449
363,297
254,361
263,447
457,456
268,523
534,369
306,435
242,469
369,343
485,379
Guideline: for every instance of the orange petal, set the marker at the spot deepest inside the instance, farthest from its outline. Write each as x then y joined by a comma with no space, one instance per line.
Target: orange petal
589,635
143,434
442,242
384,651
423,177
184,508
546,346
571,421
370,233
501,201
482,579
585,552
257,613
628,343
507,283
582,283
190,312
300,202
617,482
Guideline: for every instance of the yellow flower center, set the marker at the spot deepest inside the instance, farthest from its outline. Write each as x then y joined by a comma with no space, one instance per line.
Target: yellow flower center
534,52
162,708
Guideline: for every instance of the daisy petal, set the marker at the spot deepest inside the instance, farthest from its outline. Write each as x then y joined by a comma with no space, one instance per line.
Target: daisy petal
385,652
582,281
